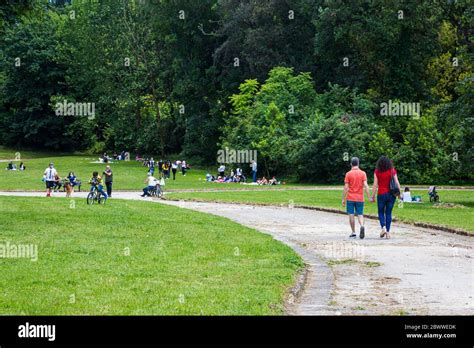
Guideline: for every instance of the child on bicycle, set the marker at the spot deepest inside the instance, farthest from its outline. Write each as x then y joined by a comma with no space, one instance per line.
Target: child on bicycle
96,183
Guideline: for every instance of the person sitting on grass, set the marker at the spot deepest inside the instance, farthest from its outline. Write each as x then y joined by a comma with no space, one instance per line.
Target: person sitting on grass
272,181
150,182
9,166
263,181
406,195
96,182
22,166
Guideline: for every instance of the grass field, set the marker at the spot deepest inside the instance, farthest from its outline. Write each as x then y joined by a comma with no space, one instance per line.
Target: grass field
460,216
137,258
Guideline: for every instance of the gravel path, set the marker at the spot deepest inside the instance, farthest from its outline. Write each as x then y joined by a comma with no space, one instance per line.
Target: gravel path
419,271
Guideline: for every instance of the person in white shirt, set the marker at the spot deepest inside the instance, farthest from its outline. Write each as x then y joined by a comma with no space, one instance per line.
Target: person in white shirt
221,170
49,176
151,183
406,195
183,167
174,168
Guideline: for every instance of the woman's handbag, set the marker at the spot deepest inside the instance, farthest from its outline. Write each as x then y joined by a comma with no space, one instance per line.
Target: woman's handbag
393,186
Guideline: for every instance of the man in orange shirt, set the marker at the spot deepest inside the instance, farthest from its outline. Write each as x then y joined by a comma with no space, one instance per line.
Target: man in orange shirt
354,185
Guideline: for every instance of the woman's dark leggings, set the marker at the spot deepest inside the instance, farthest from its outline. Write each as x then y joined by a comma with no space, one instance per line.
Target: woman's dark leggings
385,204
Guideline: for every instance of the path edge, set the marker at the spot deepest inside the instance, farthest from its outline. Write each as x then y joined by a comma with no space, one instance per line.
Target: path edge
443,228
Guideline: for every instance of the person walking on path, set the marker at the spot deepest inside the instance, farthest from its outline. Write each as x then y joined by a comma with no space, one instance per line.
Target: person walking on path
353,197
174,168
253,165
183,167
383,174
109,178
151,166
49,176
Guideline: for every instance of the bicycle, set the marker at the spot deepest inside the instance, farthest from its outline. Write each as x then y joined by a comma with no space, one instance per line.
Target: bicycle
95,196
156,191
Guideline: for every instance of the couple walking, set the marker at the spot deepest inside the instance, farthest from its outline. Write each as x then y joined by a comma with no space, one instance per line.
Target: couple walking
355,183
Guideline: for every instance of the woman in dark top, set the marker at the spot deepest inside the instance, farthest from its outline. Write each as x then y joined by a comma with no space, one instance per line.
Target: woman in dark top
72,179
385,200
109,178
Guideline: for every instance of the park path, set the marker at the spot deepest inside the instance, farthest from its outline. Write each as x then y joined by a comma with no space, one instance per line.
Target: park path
419,271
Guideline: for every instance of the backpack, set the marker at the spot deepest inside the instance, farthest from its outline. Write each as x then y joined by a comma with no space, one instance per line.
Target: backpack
393,185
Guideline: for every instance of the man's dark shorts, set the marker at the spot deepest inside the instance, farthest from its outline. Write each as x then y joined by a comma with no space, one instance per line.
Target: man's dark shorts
355,207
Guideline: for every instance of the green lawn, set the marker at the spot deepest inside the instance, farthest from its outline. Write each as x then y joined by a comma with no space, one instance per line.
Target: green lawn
458,217
134,258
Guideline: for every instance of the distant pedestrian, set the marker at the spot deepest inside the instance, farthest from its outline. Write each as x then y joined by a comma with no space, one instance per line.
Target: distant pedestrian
253,166
151,166
353,197
166,169
160,166
109,178
174,168
383,174
183,168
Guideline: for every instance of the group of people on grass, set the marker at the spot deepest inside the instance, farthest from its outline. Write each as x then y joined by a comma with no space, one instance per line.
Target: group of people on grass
238,176
54,182
386,187
12,166
105,158
165,167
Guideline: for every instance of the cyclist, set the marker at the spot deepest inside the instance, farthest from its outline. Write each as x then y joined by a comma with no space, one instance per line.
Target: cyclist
96,183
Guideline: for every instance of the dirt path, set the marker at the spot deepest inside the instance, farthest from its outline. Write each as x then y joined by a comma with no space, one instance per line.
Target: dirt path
419,271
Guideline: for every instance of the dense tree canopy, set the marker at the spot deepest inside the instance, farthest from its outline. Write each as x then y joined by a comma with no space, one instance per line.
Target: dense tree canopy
300,81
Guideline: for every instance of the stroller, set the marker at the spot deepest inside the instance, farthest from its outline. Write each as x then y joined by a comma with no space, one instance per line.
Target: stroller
434,197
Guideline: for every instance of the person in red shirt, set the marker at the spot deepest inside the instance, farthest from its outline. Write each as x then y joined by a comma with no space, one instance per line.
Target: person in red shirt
385,200
354,184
